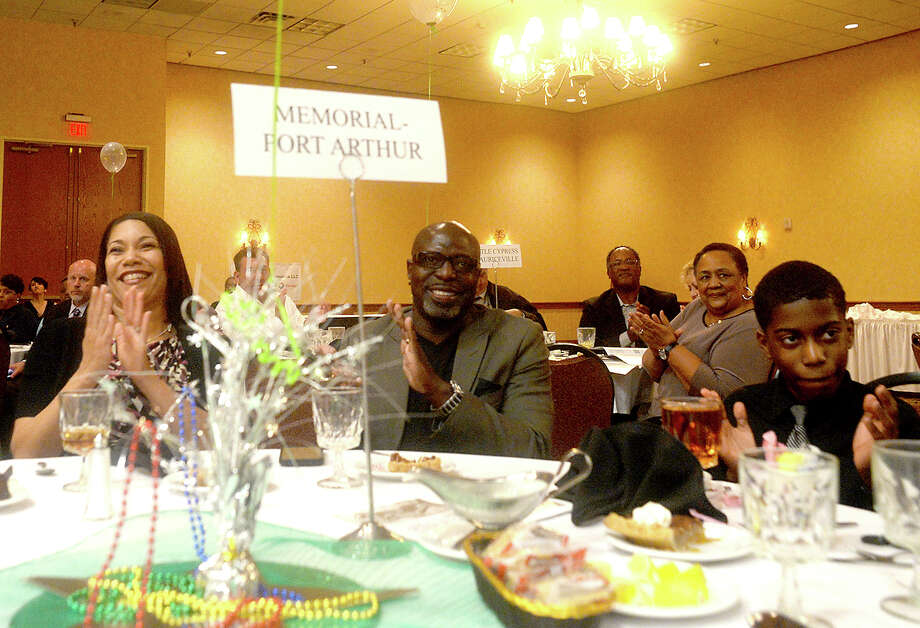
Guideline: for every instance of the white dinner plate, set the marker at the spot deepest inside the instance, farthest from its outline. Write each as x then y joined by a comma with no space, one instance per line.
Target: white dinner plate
722,494
356,464
723,594
18,494
727,543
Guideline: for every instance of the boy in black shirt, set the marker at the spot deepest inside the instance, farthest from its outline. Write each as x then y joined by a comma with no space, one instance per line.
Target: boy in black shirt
801,309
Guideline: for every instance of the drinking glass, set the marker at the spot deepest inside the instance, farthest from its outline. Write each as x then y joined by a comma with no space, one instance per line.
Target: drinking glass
549,337
695,421
790,502
585,336
84,415
339,418
896,489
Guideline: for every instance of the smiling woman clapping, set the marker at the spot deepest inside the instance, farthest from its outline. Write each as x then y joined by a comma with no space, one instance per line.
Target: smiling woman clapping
133,334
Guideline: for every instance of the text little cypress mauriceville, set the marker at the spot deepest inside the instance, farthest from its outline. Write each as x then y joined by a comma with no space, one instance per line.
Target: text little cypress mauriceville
342,118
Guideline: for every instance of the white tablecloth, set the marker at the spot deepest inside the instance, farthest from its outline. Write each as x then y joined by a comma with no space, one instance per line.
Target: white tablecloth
50,520
882,343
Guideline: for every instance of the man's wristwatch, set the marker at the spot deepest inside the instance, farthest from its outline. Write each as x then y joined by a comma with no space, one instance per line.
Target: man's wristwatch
452,402
663,352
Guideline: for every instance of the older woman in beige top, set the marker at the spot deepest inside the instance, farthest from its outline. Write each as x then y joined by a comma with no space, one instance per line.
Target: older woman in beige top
712,343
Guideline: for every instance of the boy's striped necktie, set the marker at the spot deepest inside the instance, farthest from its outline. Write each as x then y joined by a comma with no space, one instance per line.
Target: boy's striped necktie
798,439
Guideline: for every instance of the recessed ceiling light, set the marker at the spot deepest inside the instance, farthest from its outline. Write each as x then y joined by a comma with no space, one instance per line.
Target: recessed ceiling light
332,66
220,52
850,27
569,100
704,64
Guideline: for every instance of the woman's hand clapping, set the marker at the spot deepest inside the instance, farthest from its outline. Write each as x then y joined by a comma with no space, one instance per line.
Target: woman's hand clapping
100,329
131,333
655,330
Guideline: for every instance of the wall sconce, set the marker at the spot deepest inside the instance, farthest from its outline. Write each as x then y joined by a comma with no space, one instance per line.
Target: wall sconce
499,237
253,234
752,235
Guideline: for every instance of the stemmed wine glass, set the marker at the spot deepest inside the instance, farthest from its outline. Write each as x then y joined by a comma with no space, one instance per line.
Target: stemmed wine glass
339,418
790,503
896,488
84,415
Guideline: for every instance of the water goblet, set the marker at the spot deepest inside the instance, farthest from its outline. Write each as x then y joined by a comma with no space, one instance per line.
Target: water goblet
338,416
84,415
789,505
896,490
549,337
585,336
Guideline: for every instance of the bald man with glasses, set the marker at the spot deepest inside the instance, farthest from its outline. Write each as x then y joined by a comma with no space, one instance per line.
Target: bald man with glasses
609,312
449,375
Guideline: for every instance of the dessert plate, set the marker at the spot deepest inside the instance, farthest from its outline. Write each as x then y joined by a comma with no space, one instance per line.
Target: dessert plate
18,494
723,594
356,464
726,542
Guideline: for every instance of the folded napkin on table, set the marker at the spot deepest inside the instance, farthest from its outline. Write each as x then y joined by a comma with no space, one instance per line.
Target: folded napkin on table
635,463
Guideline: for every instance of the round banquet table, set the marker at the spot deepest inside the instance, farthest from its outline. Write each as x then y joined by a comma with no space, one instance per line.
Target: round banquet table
47,521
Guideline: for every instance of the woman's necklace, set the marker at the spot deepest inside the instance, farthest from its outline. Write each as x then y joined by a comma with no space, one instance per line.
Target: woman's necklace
166,330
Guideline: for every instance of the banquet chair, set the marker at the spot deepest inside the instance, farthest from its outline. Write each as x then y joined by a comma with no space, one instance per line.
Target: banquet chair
915,346
582,396
900,379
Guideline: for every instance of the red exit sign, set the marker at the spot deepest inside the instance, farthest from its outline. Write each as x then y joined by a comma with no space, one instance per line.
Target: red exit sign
78,129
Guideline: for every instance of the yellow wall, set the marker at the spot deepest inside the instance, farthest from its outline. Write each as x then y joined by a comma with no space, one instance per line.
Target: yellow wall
49,70
508,167
829,142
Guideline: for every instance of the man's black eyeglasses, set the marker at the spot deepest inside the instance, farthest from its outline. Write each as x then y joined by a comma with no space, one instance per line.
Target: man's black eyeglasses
463,264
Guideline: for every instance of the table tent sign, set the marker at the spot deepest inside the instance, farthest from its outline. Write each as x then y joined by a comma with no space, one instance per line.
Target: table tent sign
396,139
288,277
500,255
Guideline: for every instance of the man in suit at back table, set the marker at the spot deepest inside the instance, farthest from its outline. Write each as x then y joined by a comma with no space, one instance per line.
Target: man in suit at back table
81,277
450,375
609,312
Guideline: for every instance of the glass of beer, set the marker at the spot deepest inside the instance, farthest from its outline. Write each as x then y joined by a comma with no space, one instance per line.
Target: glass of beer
586,336
84,415
695,421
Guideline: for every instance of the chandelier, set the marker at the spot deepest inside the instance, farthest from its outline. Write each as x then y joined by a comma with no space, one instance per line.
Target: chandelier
626,56
253,235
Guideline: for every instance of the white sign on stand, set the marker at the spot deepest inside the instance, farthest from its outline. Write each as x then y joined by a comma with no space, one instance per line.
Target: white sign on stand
287,277
397,139
500,255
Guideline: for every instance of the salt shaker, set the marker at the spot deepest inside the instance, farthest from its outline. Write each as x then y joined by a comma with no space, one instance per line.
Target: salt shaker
99,485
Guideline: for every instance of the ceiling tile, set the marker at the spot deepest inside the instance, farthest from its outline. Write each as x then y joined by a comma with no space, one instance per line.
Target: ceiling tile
256,57
241,43
184,47
106,24
19,12
70,6
242,66
345,11
309,52
253,32
810,14
211,61
119,12
269,46
290,65
161,18
300,8
227,13
151,29
195,37
58,17
209,50
175,57
251,5
300,39
210,26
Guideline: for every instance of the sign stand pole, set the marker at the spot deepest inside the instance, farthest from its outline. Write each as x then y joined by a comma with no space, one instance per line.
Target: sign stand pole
352,167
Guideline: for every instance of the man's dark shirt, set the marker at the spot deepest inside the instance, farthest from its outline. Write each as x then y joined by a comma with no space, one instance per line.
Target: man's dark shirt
418,409
829,423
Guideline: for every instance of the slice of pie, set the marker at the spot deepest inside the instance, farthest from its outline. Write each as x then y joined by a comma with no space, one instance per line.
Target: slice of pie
398,464
683,533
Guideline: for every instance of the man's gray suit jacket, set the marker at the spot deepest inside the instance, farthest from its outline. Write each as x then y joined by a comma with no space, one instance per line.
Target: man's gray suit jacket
501,365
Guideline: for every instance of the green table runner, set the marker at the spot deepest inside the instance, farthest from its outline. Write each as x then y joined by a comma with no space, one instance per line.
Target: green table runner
447,589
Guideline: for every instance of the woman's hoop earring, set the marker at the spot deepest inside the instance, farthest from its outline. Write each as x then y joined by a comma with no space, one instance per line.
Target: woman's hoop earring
749,295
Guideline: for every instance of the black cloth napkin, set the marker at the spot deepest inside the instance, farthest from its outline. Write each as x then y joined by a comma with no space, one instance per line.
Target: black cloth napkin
635,463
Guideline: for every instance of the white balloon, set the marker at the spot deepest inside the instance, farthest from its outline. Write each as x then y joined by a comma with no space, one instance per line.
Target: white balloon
113,157
431,12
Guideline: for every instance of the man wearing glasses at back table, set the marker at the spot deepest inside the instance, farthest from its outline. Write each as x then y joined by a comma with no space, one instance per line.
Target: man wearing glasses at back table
450,375
609,312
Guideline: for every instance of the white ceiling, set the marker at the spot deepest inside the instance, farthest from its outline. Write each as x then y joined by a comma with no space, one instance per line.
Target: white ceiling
382,46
